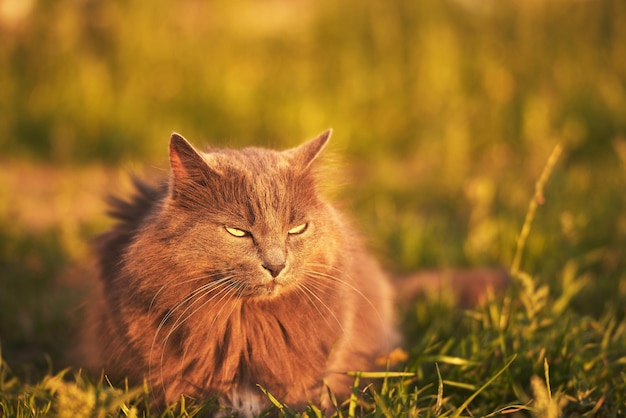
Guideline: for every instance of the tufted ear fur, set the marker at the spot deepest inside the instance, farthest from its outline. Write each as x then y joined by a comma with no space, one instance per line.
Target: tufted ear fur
305,154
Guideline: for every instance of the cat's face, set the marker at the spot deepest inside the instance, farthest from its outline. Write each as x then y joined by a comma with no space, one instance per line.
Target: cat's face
247,222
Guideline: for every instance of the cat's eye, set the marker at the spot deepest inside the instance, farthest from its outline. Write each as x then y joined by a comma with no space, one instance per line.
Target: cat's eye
237,232
298,229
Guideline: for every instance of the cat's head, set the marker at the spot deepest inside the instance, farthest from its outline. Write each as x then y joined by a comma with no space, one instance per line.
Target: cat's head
251,217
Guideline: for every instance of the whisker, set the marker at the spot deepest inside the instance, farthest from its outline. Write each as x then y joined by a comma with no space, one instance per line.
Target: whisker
311,302
207,288
198,294
322,275
224,284
304,287
177,283
226,291
241,287
170,313
229,291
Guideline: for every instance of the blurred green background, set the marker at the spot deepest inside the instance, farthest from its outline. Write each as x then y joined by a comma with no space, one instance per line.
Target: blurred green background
444,113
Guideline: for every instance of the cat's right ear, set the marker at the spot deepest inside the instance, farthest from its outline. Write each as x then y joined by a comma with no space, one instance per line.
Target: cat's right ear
187,165
183,157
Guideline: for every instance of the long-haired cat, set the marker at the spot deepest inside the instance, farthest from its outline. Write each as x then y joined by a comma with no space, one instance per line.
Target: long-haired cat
236,272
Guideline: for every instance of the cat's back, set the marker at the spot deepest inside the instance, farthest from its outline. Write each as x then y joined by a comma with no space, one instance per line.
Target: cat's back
129,215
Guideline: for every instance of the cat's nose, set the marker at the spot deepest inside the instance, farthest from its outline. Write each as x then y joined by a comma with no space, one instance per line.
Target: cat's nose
274,269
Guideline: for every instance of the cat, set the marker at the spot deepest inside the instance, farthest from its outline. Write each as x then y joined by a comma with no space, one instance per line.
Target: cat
236,272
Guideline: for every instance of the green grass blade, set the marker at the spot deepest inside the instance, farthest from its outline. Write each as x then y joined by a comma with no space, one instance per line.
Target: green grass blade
272,399
469,400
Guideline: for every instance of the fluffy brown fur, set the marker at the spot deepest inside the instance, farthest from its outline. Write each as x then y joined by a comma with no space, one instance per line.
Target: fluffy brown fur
236,273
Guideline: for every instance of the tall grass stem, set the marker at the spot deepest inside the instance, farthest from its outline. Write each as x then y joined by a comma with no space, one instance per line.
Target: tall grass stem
537,199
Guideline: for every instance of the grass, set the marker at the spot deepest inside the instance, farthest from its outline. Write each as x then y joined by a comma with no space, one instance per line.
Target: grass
445,113
525,352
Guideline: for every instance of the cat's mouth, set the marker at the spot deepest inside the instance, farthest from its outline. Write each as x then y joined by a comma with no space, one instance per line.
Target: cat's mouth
270,288
267,287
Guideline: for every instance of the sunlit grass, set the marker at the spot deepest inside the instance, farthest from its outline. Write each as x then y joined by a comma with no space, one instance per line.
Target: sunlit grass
524,352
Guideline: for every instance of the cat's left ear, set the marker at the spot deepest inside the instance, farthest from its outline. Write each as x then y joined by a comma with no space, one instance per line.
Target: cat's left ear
305,154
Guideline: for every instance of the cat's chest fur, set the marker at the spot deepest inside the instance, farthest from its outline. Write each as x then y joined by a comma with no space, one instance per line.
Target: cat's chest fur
281,345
